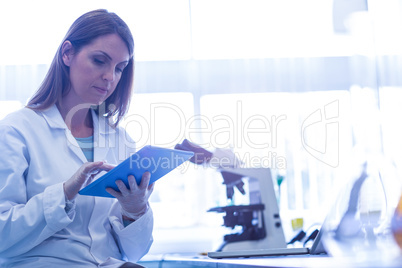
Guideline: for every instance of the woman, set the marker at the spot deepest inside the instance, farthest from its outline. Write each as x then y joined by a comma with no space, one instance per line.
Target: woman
66,135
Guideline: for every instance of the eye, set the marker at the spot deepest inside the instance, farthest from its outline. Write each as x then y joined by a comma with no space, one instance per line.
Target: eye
119,70
98,61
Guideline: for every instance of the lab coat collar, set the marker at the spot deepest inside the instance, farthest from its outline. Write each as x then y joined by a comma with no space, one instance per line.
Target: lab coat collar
101,129
55,120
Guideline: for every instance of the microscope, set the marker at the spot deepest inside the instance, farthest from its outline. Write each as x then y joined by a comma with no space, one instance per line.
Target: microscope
259,221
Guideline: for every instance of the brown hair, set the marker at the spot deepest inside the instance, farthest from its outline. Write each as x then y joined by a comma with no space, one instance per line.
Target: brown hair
82,32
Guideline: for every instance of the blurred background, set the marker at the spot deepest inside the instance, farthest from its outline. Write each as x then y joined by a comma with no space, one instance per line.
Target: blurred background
299,86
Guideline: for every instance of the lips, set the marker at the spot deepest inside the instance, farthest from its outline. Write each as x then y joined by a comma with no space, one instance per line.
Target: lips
101,90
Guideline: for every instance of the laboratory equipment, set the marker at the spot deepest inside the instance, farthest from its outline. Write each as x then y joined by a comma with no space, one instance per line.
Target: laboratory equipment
360,223
258,223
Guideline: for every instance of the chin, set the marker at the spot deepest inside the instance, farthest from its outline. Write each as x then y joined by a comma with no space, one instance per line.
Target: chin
97,102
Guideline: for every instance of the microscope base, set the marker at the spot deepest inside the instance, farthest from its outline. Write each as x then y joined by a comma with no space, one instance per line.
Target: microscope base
251,245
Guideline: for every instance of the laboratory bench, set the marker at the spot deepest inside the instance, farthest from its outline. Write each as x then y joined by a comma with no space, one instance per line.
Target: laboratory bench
299,261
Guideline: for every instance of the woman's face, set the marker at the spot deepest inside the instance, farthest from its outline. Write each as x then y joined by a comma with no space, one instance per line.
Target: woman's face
96,69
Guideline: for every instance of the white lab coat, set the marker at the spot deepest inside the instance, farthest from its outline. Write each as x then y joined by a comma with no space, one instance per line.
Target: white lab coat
37,154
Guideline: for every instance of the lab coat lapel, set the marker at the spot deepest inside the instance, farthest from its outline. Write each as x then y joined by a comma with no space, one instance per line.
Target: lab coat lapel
102,138
55,121
74,146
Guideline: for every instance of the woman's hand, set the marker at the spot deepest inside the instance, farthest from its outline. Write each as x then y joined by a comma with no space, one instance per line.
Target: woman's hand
133,200
85,174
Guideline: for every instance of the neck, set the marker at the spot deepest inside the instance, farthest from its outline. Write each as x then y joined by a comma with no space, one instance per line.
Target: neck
78,119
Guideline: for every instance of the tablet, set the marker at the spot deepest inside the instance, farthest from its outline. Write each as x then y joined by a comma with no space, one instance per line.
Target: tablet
158,161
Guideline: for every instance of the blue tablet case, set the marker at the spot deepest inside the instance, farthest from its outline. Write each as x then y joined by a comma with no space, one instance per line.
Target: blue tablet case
158,161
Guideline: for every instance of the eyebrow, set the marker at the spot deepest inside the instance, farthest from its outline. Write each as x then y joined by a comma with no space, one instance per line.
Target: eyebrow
110,58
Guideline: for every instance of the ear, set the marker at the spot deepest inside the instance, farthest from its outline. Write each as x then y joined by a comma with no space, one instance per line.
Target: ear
67,52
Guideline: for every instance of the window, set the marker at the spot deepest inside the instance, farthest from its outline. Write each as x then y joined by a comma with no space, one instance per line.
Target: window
228,29
305,138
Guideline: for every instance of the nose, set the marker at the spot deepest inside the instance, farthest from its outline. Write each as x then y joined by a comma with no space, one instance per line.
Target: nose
109,75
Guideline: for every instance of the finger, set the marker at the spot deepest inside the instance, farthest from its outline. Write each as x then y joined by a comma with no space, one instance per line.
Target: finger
89,180
132,182
91,167
86,170
151,187
150,190
122,188
107,167
146,177
103,167
113,192
93,173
